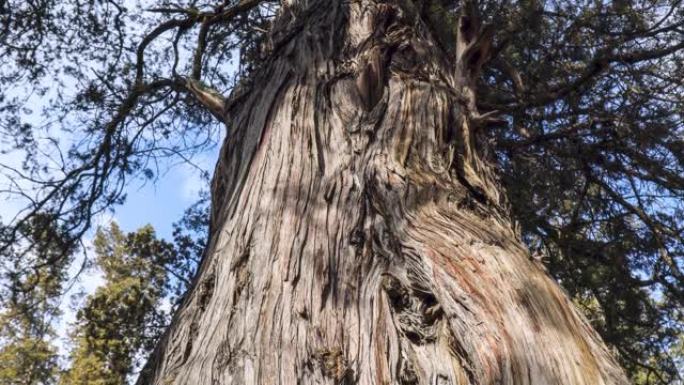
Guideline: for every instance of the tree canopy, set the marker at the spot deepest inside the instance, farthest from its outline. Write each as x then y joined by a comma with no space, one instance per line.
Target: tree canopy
125,314
581,107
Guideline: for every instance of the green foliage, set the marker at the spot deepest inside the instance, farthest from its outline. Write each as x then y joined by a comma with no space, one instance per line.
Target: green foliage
123,318
27,357
144,279
28,360
593,161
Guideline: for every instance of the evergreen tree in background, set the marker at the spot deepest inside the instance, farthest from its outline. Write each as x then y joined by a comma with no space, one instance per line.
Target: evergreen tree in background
27,353
124,317
144,278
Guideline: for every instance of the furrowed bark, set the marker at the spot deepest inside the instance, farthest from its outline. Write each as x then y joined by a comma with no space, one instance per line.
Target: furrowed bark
359,235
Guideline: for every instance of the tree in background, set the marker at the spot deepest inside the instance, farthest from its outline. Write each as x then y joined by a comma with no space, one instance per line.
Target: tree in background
400,124
27,353
119,324
125,316
144,278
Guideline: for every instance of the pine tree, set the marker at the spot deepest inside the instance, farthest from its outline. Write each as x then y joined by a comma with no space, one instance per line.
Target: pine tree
124,317
27,353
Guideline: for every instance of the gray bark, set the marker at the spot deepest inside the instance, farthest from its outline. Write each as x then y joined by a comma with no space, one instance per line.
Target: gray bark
359,235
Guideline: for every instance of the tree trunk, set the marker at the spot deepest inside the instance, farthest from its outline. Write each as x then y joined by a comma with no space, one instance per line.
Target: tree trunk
358,234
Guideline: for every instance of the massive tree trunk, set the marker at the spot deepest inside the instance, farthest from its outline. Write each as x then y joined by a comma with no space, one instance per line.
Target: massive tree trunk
359,235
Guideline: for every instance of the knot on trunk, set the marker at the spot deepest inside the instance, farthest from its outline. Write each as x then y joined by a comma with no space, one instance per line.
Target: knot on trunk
333,364
206,290
416,310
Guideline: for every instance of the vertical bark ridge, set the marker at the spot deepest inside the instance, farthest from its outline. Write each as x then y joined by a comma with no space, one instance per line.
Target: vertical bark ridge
358,235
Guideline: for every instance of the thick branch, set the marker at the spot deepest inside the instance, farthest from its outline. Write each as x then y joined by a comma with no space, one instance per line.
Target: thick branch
207,97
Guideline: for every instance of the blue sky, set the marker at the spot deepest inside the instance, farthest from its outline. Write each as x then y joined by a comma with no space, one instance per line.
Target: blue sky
159,203
163,202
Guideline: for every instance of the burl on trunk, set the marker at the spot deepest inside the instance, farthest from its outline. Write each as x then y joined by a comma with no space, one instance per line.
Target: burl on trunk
358,234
